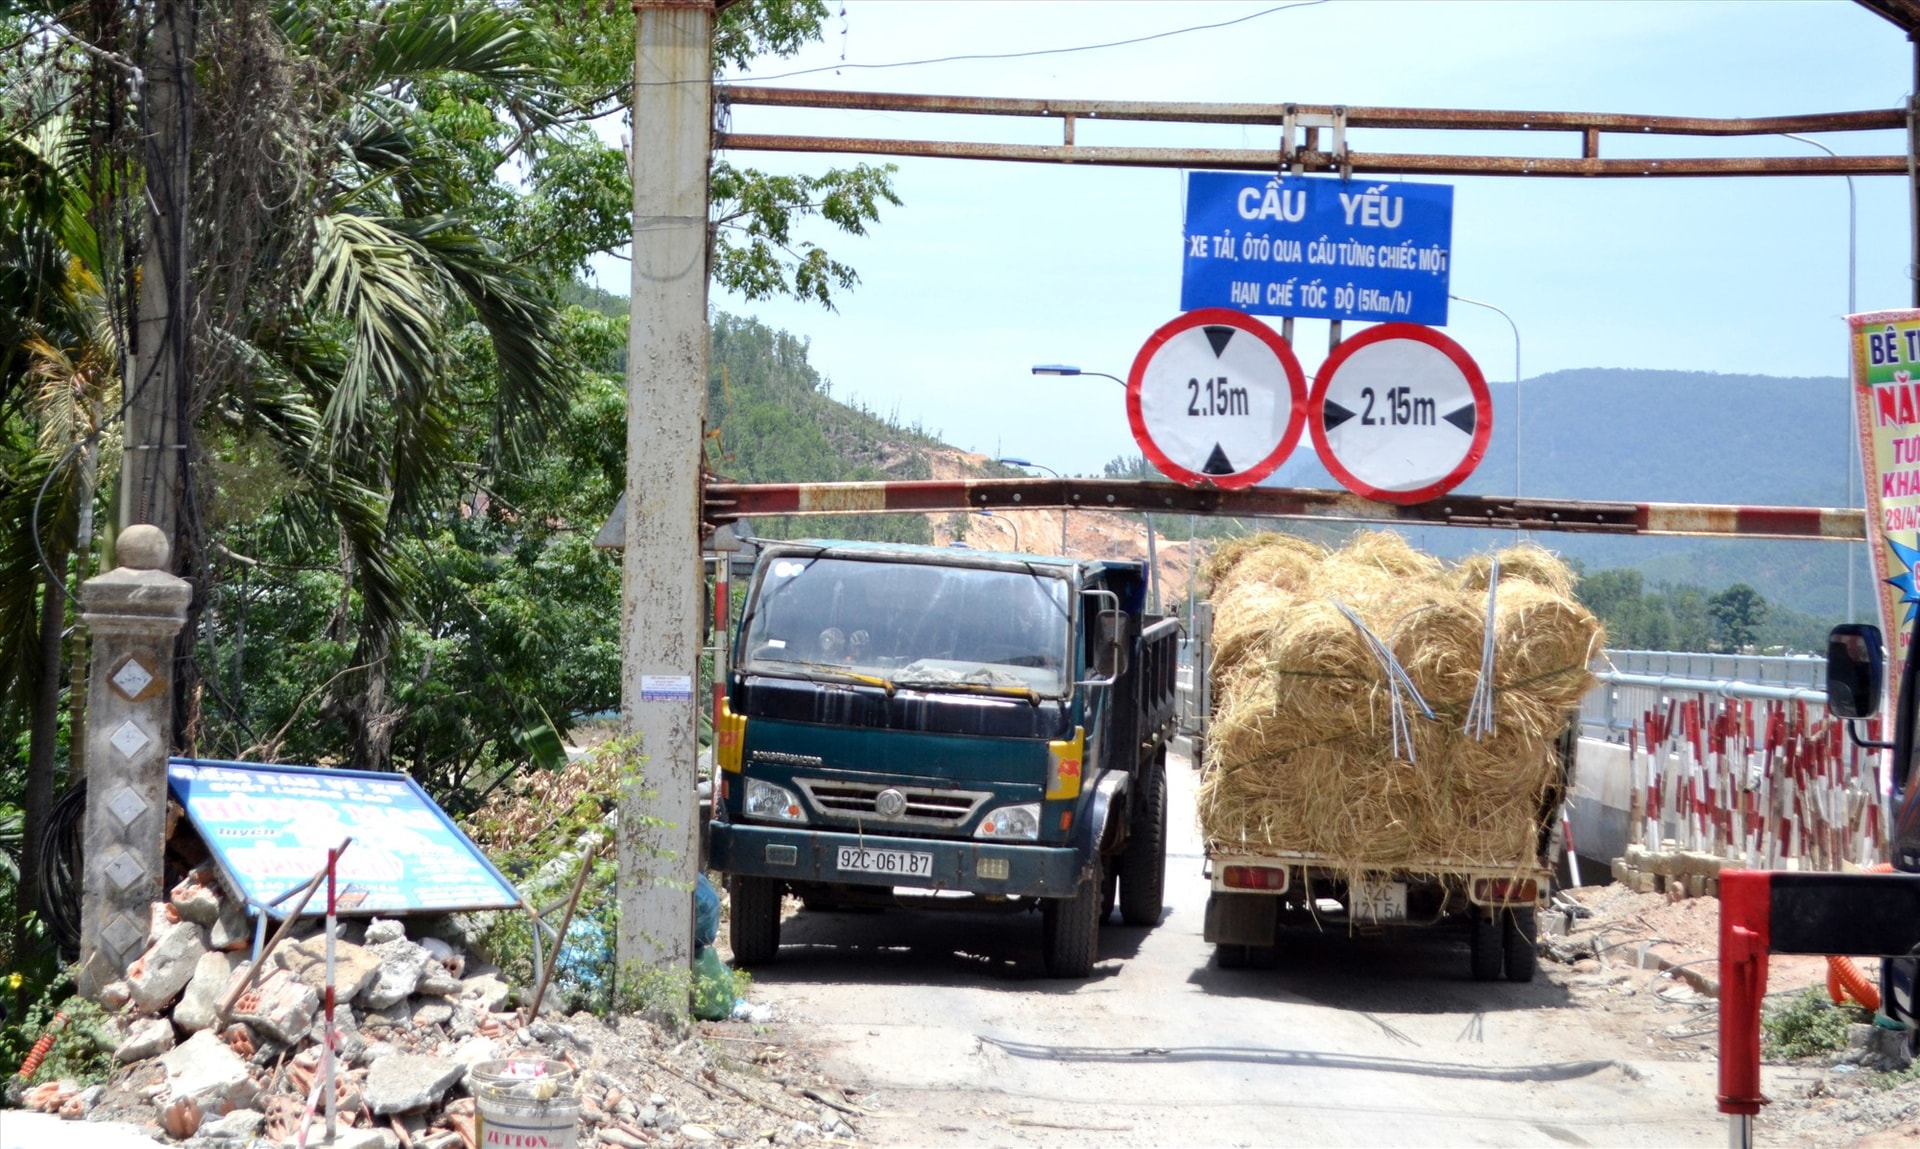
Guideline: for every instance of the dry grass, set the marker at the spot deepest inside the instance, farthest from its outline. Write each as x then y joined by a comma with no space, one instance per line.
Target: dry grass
1300,750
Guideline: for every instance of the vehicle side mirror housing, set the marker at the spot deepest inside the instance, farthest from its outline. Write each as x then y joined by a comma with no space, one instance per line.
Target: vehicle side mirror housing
1856,669
1110,652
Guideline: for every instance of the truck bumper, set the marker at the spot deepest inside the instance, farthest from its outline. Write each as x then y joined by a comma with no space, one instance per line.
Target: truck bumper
801,855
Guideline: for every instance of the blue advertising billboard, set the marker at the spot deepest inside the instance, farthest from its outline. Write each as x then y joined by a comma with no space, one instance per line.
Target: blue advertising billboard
270,828
1318,247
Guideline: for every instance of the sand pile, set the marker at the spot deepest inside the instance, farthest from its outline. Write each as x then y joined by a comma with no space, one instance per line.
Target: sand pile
1302,753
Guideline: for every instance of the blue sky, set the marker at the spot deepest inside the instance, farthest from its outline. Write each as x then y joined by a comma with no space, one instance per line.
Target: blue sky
989,268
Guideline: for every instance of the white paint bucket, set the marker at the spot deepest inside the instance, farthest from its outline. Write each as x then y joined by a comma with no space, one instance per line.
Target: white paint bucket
525,1103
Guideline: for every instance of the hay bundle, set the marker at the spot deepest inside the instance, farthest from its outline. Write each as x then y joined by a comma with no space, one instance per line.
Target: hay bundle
1527,562
1300,755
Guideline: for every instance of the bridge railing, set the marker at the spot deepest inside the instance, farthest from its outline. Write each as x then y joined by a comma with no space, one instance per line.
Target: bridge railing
1633,682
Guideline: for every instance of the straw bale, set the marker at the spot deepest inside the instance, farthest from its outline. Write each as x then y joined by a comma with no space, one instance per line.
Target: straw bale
1268,557
1529,562
1439,643
1300,755
1544,643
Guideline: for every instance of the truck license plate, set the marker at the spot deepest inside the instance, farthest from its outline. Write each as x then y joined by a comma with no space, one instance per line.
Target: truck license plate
907,864
1379,901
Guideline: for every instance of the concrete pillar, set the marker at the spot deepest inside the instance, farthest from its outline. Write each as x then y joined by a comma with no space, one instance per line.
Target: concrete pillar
661,578
133,613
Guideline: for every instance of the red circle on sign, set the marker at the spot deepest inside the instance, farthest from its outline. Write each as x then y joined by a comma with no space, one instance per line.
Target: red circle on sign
1476,383
1296,398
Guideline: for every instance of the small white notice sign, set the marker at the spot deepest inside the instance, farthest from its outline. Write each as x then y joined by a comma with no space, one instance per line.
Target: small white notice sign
666,688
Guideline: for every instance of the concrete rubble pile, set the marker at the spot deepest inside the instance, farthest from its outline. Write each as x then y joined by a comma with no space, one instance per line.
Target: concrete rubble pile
414,1014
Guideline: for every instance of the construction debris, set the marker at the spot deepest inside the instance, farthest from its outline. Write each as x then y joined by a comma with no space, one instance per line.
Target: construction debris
415,1015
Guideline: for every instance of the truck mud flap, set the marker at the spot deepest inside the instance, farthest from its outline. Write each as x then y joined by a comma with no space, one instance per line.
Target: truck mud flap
1241,919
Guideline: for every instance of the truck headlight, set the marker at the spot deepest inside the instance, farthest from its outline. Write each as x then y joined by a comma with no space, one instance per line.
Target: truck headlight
1011,822
774,803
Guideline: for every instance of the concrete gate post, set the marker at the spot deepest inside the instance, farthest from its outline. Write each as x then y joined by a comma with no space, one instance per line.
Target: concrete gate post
134,612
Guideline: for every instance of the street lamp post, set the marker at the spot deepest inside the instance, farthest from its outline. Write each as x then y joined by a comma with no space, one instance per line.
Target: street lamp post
1063,369
1011,525
1853,410
1013,462
1153,558
1516,382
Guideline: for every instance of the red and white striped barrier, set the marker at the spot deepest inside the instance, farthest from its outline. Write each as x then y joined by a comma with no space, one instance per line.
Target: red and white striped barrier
1764,783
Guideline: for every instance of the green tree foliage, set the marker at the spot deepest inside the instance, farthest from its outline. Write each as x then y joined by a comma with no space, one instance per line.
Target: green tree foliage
1678,616
1736,614
409,426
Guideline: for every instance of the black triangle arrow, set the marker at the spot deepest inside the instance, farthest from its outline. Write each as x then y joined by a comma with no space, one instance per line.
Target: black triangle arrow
1463,418
1333,414
1218,334
1217,463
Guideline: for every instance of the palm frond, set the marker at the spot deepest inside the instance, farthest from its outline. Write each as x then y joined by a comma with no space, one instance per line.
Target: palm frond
379,282
418,39
521,322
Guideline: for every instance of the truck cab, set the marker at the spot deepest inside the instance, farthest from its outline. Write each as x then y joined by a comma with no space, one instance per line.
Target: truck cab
905,720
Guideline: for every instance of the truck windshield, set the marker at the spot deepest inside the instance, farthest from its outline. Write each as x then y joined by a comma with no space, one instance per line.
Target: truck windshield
911,624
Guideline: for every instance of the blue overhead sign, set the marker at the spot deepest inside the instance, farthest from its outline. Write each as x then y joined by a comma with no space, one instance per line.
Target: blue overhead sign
270,827
1320,248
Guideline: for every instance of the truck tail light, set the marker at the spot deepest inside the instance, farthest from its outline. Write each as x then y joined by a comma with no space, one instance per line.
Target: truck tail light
1063,765
729,738
1506,891
1270,878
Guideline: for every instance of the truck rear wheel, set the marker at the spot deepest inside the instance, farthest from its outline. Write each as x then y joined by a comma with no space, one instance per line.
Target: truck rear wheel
1488,951
1518,930
1143,868
754,925
1070,931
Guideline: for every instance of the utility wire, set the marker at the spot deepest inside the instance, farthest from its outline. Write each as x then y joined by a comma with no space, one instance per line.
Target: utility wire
1034,52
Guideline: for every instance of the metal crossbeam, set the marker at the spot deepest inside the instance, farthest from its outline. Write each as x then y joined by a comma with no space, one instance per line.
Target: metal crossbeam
726,502
1305,152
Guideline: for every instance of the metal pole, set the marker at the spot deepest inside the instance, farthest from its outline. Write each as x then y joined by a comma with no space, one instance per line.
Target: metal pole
1913,181
1153,562
661,577
1011,525
1852,467
1055,474
1516,382
329,1035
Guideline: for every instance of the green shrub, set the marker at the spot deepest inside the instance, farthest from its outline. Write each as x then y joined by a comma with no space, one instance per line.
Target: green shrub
1807,1026
82,1052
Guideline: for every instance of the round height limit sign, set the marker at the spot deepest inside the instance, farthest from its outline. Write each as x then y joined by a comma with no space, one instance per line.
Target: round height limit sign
1216,397
1400,414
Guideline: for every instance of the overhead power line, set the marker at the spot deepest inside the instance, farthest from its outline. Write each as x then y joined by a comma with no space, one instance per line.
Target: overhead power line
1038,51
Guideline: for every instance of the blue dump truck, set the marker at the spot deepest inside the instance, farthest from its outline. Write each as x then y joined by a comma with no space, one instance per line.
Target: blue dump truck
902,724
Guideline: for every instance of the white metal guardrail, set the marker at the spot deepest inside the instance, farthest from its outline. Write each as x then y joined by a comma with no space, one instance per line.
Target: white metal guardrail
1633,682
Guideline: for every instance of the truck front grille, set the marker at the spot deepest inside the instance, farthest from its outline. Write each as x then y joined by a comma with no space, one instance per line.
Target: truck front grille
924,807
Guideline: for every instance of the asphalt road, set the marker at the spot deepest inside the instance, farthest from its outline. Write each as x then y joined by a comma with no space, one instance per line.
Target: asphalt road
1350,1041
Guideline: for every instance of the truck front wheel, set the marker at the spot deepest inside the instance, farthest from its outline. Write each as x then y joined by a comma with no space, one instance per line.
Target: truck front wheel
1070,931
1143,868
754,928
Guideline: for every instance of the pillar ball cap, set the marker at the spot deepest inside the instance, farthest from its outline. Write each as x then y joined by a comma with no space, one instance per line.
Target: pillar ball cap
143,547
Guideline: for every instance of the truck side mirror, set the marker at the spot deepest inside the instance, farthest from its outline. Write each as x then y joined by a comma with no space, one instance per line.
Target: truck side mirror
1110,651
1856,667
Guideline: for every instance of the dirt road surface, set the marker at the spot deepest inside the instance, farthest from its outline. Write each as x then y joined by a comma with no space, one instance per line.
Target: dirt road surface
1350,1041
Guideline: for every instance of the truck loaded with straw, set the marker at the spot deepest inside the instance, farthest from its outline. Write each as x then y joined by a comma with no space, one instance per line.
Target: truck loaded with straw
1388,743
